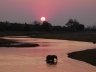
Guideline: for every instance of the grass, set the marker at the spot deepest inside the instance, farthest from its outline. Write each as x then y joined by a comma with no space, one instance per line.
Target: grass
77,36
88,56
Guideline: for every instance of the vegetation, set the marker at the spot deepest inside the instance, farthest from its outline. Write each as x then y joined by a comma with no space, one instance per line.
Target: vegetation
71,25
78,36
72,30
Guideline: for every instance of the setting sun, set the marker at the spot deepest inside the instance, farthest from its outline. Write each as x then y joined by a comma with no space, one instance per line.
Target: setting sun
43,19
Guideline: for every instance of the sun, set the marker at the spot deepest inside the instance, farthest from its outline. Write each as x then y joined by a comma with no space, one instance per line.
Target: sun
43,19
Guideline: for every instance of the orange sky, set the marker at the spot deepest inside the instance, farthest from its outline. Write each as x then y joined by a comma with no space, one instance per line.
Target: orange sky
56,11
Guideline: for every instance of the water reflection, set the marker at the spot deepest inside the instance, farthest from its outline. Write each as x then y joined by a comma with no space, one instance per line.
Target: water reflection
33,59
51,66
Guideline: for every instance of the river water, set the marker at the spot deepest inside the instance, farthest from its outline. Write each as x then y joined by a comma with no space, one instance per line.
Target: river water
33,59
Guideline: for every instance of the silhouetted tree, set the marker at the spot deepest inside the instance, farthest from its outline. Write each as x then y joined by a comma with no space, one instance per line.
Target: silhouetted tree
74,25
57,28
26,27
46,26
36,26
64,28
91,28
70,23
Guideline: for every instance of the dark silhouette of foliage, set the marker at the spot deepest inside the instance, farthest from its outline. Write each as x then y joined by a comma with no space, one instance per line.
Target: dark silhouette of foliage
26,27
91,28
46,26
57,28
36,26
74,25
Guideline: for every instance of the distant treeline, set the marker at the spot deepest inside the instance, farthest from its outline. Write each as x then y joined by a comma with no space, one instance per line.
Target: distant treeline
72,25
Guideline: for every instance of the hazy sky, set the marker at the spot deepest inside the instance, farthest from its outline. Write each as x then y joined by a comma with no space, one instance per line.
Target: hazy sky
57,12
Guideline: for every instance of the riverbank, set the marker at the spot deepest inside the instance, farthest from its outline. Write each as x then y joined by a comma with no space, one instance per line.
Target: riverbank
33,59
88,56
13,43
77,36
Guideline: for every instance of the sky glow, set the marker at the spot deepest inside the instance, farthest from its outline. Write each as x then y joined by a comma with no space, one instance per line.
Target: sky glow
57,12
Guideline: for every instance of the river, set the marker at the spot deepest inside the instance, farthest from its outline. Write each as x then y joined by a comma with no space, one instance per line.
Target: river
33,59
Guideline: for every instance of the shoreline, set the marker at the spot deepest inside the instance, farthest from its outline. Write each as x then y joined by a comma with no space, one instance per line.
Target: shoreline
12,43
74,36
88,56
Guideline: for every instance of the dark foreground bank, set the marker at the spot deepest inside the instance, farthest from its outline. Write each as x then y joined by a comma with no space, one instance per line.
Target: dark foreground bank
88,56
13,43
77,36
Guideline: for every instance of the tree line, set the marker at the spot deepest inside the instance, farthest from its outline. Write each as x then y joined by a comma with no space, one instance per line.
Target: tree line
72,25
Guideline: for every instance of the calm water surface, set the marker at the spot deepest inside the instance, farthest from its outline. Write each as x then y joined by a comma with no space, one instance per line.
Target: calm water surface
33,59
